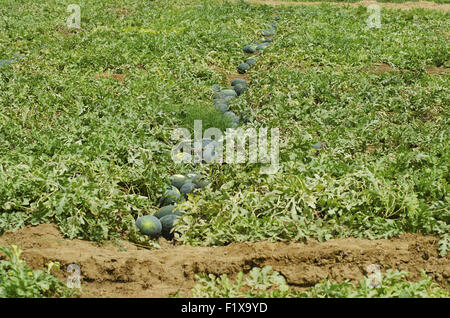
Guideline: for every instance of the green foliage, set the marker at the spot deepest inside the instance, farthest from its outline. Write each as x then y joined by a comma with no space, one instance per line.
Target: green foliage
17,280
91,153
258,283
392,285
265,283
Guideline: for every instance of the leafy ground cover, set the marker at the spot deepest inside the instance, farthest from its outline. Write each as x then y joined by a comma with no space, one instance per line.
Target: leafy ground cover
17,280
266,283
389,1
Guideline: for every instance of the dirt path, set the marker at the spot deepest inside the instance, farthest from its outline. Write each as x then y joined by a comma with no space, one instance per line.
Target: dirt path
128,271
401,6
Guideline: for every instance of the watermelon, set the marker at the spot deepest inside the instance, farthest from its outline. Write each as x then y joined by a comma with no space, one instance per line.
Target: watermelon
149,225
243,67
227,99
187,188
240,81
171,196
221,105
228,92
249,49
177,180
167,225
234,118
209,155
165,210
251,61
239,88
262,46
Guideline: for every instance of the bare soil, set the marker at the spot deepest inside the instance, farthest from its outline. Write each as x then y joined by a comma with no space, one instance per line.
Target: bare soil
125,270
402,6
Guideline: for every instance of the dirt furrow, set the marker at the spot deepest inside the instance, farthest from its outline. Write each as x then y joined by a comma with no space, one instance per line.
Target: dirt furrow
128,271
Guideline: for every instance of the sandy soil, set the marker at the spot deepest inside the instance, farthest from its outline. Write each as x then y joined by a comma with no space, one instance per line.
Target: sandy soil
129,271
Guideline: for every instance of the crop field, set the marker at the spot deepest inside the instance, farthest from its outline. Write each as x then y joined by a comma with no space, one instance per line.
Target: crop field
90,191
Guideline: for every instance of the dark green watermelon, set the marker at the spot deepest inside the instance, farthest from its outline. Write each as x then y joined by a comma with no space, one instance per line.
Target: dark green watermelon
262,46
251,61
171,196
249,49
240,81
239,88
149,225
187,188
165,210
228,92
167,225
177,180
234,118
242,68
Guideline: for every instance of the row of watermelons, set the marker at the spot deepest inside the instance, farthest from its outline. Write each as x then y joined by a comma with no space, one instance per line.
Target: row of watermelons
162,222
222,97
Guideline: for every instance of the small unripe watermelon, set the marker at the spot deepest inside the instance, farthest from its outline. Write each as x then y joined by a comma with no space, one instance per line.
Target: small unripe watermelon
167,225
239,88
221,106
228,92
187,188
234,118
149,225
171,196
209,155
165,210
262,46
227,99
243,67
251,61
239,81
177,180
249,49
